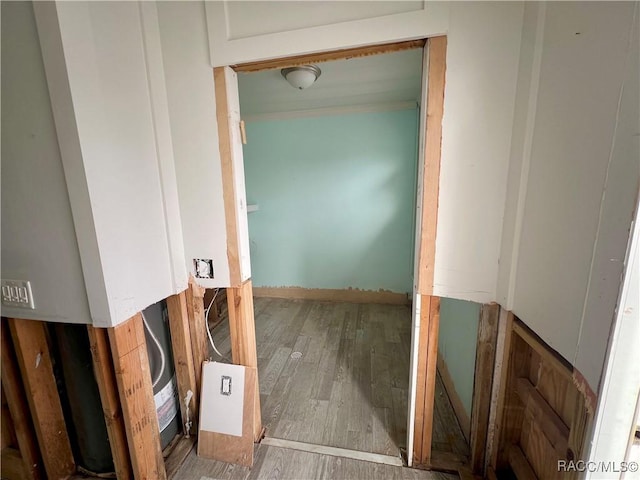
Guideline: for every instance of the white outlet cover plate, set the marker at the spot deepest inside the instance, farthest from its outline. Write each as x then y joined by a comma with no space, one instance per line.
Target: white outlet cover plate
222,399
17,293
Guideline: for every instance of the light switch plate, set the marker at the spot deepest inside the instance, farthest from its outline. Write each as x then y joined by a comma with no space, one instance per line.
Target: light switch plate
17,293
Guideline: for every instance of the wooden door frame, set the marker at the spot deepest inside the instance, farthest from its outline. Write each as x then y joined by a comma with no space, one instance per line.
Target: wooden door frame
424,336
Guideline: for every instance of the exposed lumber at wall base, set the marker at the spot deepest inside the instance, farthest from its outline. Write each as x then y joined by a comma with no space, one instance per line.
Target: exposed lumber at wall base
107,386
519,464
13,391
501,372
183,360
423,342
198,329
430,381
242,331
544,417
32,351
131,362
431,174
482,386
427,368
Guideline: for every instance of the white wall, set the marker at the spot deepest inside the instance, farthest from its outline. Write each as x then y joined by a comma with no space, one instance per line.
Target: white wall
574,175
38,238
107,89
482,67
192,109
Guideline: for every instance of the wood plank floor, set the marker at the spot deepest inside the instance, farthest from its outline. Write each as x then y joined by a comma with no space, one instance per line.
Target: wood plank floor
349,387
276,463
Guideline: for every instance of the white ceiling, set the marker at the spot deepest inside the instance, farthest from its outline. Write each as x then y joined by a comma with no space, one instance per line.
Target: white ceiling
391,78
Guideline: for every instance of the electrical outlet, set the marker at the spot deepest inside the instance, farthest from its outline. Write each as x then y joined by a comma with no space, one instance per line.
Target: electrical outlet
203,267
17,293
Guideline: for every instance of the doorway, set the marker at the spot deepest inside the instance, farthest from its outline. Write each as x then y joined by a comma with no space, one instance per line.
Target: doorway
422,345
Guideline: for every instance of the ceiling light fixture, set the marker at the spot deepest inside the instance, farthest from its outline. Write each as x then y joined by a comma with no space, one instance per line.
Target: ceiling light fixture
301,77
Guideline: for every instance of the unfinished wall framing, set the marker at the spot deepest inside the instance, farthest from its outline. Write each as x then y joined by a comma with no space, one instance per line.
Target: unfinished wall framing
35,435
543,415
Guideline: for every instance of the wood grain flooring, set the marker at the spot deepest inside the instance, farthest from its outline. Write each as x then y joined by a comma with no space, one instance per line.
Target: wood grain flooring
276,463
349,387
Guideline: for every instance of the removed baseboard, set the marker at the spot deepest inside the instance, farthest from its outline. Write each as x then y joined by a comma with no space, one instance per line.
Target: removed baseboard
351,295
456,402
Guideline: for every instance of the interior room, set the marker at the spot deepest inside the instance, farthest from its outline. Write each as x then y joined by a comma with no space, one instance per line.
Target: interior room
330,240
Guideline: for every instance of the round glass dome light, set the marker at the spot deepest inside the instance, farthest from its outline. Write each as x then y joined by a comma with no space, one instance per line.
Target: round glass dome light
301,77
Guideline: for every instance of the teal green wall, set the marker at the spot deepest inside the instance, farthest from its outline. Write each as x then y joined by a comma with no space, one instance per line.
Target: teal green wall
336,199
457,344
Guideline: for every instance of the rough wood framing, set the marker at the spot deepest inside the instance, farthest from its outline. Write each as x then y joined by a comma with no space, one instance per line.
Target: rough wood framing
32,351
423,341
430,311
242,331
131,362
343,54
225,146
425,391
106,380
12,466
432,153
183,360
500,376
198,329
519,464
13,391
543,416
482,386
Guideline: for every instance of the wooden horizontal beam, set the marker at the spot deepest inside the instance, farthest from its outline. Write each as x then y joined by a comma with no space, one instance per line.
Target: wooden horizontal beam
544,415
546,354
313,58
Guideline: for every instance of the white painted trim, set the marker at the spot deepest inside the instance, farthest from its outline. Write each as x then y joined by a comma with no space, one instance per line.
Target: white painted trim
432,20
413,376
55,65
164,145
333,451
526,152
618,395
328,111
